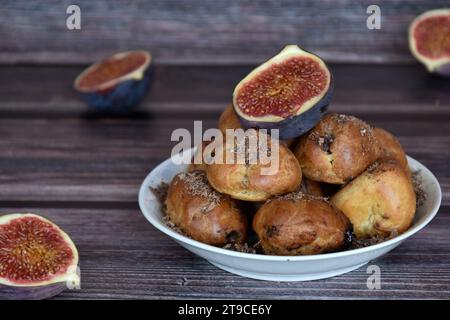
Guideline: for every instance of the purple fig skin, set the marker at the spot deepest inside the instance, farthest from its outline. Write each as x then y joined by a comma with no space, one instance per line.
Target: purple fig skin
443,70
297,125
122,95
32,292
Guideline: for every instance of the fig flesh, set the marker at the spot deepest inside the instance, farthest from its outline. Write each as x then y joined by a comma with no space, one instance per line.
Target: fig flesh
289,92
117,83
429,40
37,259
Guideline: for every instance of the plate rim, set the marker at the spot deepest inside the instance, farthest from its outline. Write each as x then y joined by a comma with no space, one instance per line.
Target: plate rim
262,257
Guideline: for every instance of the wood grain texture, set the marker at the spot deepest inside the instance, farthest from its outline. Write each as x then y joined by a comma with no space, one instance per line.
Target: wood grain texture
83,171
206,32
205,90
106,160
123,257
50,139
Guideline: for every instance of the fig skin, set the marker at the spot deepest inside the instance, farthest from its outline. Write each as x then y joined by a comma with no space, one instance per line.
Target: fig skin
440,65
300,224
202,213
40,289
337,149
31,293
379,202
301,120
121,93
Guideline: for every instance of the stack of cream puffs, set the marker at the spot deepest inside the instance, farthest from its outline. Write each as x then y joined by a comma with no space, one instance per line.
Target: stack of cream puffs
342,179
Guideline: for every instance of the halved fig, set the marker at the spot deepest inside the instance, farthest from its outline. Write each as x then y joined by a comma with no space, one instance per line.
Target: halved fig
429,40
117,83
37,259
289,92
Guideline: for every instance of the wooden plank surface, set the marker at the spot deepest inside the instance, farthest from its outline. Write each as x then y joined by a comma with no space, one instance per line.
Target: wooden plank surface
83,171
124,257
206,32
49,137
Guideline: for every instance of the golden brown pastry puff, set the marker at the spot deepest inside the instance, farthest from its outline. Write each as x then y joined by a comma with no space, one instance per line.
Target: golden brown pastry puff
245,181
337,149
390,147
300,224
202,213
229,120
381,201
312,187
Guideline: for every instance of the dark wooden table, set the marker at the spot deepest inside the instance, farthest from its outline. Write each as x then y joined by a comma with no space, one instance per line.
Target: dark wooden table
83,171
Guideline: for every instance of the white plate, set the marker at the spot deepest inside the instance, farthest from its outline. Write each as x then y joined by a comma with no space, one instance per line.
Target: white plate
284,268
